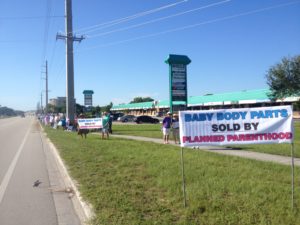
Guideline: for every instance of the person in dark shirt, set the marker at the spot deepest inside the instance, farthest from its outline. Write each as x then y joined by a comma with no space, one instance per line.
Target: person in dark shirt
166,126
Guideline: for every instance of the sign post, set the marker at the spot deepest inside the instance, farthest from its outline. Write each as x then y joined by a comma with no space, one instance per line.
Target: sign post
293,175
183,178
178,92
178,78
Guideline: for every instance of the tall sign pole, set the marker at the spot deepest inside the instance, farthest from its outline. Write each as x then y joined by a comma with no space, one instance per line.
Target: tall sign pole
178,92
178,78
70,100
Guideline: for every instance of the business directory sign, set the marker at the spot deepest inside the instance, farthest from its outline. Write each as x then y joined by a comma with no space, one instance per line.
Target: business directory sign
178,82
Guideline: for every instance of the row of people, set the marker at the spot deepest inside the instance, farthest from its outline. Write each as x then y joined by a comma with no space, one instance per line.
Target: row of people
170,123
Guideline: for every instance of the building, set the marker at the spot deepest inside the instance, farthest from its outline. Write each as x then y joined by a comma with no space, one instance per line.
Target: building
239,99
58,102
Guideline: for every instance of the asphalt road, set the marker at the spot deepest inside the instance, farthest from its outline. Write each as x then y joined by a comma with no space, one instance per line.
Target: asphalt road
31,191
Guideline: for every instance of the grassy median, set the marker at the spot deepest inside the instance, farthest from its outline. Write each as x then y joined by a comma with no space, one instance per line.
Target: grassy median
133,182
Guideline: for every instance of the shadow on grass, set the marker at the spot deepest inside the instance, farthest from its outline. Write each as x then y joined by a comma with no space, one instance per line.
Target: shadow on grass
238,148
230,148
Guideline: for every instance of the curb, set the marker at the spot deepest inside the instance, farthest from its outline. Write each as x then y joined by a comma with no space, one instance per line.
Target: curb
83,209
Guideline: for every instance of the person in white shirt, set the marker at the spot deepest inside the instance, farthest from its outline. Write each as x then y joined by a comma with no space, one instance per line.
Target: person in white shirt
175,128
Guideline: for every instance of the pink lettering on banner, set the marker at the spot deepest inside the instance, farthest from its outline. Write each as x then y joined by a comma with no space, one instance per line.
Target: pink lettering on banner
201,139
260,137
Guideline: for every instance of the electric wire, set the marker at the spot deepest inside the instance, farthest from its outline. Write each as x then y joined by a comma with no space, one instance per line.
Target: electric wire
28,17
55,25
45,39
46,32
195,25
158,19
115,22
125,19
52,56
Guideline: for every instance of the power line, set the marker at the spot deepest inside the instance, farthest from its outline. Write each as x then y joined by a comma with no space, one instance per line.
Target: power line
28,17
128,18
159,19
55,26
195,25
47,25
18,41
52,55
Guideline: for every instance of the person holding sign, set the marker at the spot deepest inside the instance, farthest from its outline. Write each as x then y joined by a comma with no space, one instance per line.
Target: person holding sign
105,125
166,126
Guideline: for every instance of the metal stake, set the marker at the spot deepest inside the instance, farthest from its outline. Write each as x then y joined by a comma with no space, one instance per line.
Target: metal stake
183,178
293,176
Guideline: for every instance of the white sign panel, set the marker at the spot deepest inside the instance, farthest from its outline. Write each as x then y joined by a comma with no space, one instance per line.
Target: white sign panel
236,126
90,123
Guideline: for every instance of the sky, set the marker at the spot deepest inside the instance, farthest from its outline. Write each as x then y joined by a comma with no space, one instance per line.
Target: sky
231,43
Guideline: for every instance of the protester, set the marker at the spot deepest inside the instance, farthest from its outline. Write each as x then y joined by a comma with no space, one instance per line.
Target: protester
110,123
166,125
56,120
51,120
105,125
63,122
175,128
82,132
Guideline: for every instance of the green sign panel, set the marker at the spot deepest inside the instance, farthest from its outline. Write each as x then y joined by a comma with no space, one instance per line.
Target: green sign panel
178,78
178,82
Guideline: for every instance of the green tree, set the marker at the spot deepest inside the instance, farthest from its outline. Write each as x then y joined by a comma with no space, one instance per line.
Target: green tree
96,110
284,78
79,109
107,107
56,109
142,99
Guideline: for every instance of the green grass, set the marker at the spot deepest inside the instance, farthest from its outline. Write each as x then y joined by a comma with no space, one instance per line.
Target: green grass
154,131
143,130
132,182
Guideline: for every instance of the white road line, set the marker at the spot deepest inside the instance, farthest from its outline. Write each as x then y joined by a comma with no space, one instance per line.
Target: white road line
12,166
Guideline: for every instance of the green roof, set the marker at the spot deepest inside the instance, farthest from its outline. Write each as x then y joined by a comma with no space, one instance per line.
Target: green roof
89,92
140,105
240,97
178,59
166,103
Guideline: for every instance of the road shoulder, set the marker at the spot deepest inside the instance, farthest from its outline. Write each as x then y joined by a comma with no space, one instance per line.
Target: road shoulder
70,207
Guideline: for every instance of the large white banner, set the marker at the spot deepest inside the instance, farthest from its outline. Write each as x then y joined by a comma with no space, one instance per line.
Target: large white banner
90,123
236,126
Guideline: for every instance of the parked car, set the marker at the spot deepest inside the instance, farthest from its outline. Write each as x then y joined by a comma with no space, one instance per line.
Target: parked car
126,118
146,119
115,116
159,114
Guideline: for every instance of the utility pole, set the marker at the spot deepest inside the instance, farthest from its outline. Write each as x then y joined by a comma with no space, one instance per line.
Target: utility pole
42,102
47,91
47,86
46,104
70,103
